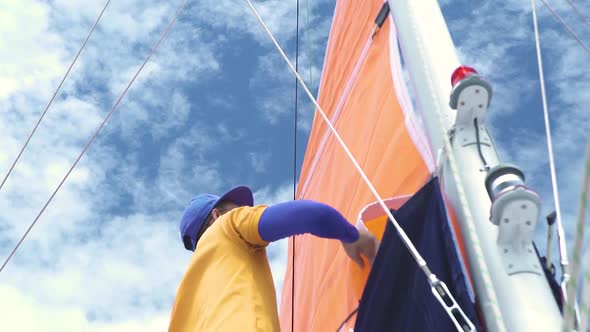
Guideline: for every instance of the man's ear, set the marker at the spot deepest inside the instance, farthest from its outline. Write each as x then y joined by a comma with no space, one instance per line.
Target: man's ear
215,213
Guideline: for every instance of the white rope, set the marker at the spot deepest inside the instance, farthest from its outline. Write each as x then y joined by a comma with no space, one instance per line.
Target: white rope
577,253
492,299
577,256
560,232
569,296
474,238
403,235
472,234
585,305
421,263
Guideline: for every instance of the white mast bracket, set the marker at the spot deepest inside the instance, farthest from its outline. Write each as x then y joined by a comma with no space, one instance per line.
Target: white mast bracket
430,58
464,135
516,212
470,97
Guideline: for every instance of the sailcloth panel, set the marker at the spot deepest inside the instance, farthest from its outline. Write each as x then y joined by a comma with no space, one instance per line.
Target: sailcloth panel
358,92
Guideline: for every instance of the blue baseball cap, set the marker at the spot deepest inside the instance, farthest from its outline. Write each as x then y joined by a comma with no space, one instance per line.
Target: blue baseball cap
199,208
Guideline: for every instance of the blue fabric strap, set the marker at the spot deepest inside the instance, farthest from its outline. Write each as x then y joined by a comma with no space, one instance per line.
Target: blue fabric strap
304,216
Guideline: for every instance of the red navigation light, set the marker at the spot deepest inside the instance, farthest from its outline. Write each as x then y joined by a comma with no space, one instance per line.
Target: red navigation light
461,73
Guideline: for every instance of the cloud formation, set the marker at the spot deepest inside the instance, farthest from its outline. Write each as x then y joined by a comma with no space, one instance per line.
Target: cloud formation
106,255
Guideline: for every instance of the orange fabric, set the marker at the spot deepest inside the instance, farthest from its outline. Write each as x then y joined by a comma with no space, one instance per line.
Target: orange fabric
328,285
459,235
375,218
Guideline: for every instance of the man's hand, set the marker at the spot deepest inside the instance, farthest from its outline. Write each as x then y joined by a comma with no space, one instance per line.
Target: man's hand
367,245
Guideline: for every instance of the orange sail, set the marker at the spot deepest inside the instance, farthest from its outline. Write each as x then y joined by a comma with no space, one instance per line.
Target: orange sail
363,94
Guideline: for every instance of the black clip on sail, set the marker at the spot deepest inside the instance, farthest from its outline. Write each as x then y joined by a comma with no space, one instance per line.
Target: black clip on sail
438,287
380,19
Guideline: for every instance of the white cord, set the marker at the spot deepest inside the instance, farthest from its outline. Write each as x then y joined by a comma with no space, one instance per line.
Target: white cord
571,310
560,232
403,235
433,280
585,305
569,314
469,223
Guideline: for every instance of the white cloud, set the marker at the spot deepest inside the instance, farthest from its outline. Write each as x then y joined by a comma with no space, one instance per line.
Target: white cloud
62,318
94,261
238,17
269,196
274,102
22,308
29,56
106,255
259,161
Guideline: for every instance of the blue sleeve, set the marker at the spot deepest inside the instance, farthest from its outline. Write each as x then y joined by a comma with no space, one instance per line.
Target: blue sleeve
303,216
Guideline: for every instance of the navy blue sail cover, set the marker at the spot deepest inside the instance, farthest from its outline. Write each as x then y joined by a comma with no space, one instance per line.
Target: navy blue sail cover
397,296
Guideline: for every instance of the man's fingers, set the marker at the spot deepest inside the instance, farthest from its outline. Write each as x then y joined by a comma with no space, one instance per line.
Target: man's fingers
370,253
359,260
371,250
367,245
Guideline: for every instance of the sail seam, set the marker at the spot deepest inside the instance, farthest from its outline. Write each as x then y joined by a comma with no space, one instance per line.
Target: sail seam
364,162
416,134
438,286
341,102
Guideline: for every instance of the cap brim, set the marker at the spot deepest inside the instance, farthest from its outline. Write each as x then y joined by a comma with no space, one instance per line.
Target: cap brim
241,196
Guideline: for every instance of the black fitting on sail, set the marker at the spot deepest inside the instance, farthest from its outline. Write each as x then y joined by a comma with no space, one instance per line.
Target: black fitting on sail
551,218
380,19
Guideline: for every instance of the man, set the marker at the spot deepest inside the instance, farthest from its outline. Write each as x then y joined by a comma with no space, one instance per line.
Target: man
228,285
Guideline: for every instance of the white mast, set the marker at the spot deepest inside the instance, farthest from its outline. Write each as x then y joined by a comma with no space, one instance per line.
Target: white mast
511,288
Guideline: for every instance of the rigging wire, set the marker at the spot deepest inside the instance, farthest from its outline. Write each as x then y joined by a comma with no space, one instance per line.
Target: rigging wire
560,231
579,12
472,234
53,97
296,104
308,44
295,144
153,50
295,168
418,258
569,301
490,298
577,253
585,305
569,29
438,286
350,315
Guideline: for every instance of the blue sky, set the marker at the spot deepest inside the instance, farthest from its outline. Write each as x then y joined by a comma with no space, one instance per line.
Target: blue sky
212,109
